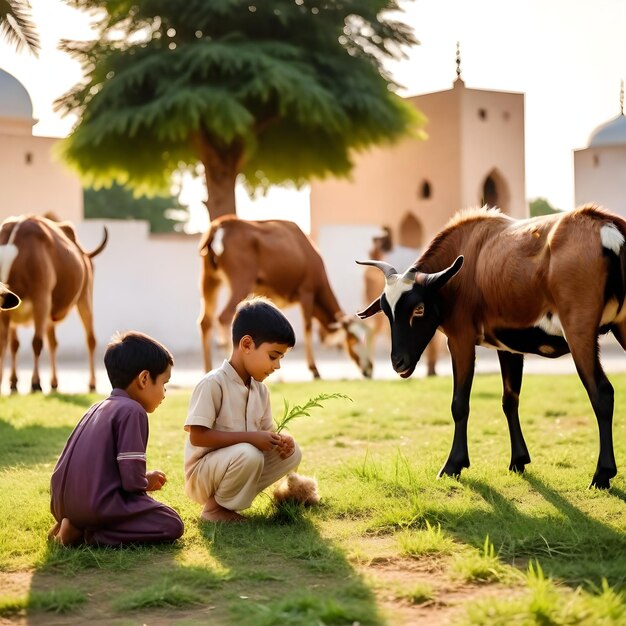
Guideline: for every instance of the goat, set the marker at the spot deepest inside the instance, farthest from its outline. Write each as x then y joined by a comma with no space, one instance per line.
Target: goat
43,263
383,250
272,258
547,285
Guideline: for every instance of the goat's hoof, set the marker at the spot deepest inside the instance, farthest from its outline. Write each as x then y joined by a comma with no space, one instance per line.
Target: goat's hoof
517,467
602,479
35,387
316,374
54,386
13,389
92,388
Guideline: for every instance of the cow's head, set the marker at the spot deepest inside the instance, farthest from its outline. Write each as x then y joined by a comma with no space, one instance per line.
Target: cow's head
411,302
8,300
354,335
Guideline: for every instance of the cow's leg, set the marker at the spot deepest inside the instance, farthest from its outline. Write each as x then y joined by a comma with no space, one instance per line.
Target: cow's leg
210,291
306,304
238,292
512,367
41,315
463,357
85,311
52,349
15,345
432,351
4,337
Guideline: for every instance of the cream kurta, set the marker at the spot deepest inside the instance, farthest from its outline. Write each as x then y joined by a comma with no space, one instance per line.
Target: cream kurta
233,474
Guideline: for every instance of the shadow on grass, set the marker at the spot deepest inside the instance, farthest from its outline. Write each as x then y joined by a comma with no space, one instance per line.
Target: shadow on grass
30,444
82,400
293,576
568,543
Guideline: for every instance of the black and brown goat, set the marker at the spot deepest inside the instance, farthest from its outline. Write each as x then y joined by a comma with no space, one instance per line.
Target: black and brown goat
548,285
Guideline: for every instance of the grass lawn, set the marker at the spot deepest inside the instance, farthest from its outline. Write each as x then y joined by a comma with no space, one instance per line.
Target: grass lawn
389,543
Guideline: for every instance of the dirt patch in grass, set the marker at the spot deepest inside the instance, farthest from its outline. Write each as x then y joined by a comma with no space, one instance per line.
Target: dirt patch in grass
449,597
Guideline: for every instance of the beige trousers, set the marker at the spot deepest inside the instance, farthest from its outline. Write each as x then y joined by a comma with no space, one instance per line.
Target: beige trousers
236,474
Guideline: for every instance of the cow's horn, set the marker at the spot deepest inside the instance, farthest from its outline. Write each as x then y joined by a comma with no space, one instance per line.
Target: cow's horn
385,268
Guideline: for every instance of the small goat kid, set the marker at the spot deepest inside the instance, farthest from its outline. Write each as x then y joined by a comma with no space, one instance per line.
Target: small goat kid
547,286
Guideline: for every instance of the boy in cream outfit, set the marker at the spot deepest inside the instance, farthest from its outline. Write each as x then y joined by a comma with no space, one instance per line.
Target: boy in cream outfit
232,452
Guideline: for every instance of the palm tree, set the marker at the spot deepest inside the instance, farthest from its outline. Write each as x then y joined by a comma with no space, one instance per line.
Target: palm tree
17,26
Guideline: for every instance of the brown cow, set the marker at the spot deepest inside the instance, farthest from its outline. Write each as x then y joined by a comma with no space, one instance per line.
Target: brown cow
382,247
41,260
273,258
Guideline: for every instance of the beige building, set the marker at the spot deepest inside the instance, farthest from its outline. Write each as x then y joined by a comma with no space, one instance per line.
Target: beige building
600,167
473,155
32,181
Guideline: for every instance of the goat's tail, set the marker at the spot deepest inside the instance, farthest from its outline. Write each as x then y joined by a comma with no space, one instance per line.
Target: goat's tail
613,235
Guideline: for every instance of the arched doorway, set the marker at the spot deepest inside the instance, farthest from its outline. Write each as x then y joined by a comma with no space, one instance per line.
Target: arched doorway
495,191
411,231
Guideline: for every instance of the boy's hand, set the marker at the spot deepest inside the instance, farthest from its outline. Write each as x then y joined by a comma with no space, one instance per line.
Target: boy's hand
156,480
286,446
264,440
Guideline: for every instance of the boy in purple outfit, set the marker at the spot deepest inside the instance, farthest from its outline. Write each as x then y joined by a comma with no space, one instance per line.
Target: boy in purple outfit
98,487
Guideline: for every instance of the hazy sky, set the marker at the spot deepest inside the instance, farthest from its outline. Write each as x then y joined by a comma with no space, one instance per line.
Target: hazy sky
567,56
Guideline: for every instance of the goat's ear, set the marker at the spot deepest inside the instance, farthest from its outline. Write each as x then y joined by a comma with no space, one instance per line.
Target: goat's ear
438,280
372,309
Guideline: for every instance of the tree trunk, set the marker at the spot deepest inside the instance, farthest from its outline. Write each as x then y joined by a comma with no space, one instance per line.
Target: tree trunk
220,171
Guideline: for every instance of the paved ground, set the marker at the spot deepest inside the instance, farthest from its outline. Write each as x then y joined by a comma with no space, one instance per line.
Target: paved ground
332,363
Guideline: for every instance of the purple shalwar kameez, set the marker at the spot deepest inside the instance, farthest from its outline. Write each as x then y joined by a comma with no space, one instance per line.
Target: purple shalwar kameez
99,482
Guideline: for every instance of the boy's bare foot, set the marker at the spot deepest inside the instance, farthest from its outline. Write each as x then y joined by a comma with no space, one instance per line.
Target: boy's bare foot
52,533
213,512
68,534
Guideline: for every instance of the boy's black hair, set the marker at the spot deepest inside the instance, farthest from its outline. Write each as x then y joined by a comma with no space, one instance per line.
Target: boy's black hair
261,319
130,353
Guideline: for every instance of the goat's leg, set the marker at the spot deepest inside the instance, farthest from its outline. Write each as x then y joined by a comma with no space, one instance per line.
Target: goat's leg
85,312
15,345
463,357
210,291
512,367
600,392
52,349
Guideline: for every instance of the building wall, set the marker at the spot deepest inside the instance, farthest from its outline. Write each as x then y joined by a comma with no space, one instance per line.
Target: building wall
599,177
493,140
33,182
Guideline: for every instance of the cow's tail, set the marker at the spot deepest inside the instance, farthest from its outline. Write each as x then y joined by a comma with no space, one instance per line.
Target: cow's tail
208,242
101,247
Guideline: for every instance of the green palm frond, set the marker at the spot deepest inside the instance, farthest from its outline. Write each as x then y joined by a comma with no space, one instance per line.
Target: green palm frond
17,26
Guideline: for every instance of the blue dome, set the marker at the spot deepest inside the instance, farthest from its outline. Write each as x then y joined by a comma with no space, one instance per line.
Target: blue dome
14,99
612,133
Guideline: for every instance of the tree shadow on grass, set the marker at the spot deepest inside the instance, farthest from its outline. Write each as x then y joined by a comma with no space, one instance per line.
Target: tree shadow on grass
30,444
568,543
284,572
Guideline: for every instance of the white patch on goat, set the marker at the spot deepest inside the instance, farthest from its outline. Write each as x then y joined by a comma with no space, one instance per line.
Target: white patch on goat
551,325
8,254
394,288
217,243
611,237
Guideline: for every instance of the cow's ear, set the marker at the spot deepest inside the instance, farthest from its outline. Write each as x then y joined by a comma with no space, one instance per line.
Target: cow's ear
438,280
372,309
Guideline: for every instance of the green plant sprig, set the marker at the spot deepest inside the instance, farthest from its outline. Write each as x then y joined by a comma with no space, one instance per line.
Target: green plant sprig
299,410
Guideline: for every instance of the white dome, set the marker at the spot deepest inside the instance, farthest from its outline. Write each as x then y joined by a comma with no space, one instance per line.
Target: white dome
612,133
15,103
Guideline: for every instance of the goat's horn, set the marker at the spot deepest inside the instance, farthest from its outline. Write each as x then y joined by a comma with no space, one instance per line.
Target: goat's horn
409,275
385,268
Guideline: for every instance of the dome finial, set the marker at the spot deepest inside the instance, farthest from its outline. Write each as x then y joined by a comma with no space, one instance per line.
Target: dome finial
621,97
458,60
